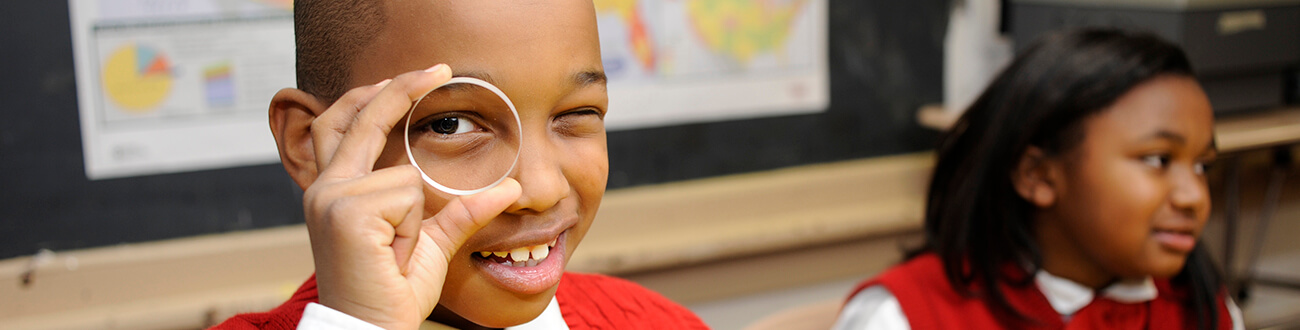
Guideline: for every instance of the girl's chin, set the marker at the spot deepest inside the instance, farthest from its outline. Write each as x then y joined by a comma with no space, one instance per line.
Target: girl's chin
1167,268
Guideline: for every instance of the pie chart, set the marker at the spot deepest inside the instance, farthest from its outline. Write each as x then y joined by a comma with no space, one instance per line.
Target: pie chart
137,78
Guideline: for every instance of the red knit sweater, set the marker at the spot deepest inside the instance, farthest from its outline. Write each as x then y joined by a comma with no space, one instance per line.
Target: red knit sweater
929,302
587,301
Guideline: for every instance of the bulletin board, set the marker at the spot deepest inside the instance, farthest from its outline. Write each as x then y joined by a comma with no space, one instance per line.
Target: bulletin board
883,61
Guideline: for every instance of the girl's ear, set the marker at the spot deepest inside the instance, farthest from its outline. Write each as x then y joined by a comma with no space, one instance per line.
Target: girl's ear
1035,177
291,114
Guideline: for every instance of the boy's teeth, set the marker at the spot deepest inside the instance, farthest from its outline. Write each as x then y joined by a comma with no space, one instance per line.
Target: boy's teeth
527,256
539,252
519,254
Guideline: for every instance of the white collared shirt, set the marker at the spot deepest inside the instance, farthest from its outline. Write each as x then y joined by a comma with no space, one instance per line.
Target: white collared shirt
319,317
876,308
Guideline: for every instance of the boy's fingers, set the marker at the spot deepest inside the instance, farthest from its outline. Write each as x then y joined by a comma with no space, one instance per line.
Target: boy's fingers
384,207
365,138
464,216
328,128
407,232
320,196
450,228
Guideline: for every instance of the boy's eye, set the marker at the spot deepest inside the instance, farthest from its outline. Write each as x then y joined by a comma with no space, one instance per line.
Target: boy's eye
581,122
1156,161
452,125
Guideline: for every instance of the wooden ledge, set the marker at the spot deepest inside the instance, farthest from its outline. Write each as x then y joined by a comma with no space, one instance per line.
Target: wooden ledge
191,282
682,223
1245,132
180,283
1232,132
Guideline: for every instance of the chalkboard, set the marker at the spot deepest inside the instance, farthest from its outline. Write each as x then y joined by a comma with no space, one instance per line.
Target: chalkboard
885,62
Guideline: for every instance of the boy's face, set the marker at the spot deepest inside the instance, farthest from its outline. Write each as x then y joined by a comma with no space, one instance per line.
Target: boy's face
546,56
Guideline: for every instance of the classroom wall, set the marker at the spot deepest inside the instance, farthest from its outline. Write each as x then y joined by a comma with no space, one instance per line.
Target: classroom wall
885,62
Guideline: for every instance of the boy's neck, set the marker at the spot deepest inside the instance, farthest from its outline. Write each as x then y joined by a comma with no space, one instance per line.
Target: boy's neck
449,320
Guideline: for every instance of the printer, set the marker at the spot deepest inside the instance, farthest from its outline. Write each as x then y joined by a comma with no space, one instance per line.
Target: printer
1246,53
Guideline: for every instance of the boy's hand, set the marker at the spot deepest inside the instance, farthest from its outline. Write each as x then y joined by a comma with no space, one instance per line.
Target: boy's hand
376,256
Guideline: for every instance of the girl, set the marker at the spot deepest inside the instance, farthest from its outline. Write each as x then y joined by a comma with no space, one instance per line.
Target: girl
1071,194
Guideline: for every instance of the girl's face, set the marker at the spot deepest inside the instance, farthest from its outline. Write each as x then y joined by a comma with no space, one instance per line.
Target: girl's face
1131,199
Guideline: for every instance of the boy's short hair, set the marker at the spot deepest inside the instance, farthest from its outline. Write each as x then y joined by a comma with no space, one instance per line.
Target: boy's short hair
329,34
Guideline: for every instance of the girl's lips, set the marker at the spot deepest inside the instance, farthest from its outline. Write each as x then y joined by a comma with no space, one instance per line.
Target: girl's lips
1178,241
528,280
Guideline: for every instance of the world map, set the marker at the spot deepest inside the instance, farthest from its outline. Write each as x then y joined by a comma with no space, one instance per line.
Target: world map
649,39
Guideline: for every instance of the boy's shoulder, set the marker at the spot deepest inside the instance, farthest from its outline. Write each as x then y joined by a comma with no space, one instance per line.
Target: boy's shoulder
587,301
285,316
605,302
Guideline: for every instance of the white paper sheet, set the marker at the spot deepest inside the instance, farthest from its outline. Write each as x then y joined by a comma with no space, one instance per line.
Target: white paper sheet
178,85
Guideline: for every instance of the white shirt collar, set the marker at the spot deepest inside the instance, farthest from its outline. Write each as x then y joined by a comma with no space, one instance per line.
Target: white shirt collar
1068,297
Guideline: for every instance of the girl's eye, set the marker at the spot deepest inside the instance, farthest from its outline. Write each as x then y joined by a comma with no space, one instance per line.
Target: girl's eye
452,125
1156,161
1201,167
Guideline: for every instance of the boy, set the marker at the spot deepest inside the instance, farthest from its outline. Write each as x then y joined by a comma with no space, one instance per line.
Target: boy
389,251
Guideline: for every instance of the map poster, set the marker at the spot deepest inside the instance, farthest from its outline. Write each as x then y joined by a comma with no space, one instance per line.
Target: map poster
178,85
679,62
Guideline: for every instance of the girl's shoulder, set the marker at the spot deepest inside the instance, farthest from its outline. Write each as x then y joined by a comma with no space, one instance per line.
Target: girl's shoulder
929,301
923,272
1171,304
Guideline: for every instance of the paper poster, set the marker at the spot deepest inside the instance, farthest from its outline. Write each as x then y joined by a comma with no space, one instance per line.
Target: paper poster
178,85
677,62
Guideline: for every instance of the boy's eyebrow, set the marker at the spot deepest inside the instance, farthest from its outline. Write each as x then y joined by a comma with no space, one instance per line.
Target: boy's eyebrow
580,79
589,77
480,75
460,88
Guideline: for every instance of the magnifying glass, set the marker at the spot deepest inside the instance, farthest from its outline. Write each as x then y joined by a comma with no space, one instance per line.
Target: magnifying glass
463,136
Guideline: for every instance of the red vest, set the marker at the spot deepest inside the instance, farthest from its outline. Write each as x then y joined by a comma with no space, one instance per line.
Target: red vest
929,302
587,301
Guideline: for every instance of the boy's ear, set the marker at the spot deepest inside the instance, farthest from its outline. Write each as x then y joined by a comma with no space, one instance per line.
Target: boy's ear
1036,178
291,114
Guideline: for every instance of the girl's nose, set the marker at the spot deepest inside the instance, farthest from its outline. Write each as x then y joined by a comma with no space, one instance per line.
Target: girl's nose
1190,193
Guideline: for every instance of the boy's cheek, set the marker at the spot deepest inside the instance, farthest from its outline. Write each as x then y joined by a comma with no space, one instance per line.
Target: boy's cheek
394,151
588,160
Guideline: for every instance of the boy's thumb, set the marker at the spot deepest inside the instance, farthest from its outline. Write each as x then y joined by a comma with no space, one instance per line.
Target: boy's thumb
449,229
465,215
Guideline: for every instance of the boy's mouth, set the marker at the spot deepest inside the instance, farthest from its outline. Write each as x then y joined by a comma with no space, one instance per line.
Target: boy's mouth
528,269
526,256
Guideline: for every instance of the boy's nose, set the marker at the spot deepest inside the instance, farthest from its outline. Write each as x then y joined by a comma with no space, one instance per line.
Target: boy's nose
542,178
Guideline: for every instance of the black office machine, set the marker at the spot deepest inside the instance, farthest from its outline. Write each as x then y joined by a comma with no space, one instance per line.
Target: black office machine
1246,52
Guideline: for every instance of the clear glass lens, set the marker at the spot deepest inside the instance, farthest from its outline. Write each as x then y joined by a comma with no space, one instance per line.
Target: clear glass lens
463,136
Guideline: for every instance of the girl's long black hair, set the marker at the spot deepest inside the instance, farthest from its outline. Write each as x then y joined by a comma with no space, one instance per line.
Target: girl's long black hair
975,221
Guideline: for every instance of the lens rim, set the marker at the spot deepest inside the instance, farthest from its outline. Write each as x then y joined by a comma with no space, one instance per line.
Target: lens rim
434,183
